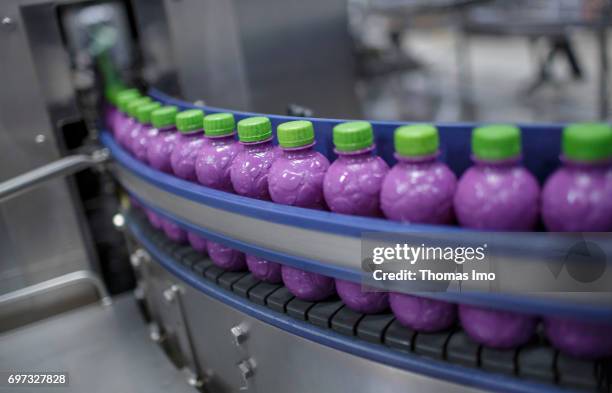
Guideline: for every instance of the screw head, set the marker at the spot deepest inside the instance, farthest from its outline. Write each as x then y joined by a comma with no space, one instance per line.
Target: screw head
7,23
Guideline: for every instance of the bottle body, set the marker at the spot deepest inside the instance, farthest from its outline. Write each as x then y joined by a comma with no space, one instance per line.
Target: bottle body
141,141
173,231
580,339
264,270
214,160
184,155
495,328
497,196
296,178
353,182
307,286
359,300
225,257
578,198
250,169
197,242
160,148
419,191
422,314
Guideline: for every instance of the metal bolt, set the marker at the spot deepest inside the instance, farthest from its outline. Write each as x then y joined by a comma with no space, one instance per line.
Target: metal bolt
40,138
155,333
171,293
139,257
8,24
239,334
247,369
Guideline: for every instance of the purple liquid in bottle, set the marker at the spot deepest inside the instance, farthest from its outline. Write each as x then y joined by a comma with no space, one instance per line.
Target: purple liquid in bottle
132,125
154,219
226,258
251,166
124,122
174,232
188,144
418,188
497,329
497,194
307,286
578,338
264,270
422,314
161,145
296,178
249,176
214,160
110,104
197,242
352,183
140,137
120,115
359,300
578,198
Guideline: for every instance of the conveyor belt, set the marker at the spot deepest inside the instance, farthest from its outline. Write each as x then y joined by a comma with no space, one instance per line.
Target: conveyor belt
535,362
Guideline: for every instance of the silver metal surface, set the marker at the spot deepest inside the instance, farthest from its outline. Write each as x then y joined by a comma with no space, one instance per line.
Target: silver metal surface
60,168
258,56
273,360
42,233
103,349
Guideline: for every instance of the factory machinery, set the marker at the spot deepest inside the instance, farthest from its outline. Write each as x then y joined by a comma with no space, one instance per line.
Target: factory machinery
227,331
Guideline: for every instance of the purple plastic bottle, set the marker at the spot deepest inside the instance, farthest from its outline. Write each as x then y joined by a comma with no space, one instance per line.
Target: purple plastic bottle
355,298
497,329
497,194
352,183
264,270
140,137
132,125
578,196
190,123
161,146
214,159
422,314
110,105
154,219
419,188
251,166
579,338
352,186
225,257
249,176
120,116
307,286
123,121
174,232
197,242
296,178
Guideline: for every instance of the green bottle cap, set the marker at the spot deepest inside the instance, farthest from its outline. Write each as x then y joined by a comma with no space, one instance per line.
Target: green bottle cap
164,116
295,133
111,91
353,136
254,129
587,142
416,140
143,113
132,106
190,120
496,142
124,97
219,124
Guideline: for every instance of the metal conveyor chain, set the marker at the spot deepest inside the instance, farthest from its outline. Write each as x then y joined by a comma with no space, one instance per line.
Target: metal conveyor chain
536,362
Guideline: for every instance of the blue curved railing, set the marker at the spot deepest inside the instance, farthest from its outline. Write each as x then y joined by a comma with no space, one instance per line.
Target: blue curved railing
541,150
377,353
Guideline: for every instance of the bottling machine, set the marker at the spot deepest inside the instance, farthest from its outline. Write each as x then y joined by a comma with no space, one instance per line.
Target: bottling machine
71,231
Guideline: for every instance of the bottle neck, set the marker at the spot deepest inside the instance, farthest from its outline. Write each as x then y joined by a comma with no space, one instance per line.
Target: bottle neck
417,159
366,152
169,128
192,134
258,145
221,138
599,164
507,162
